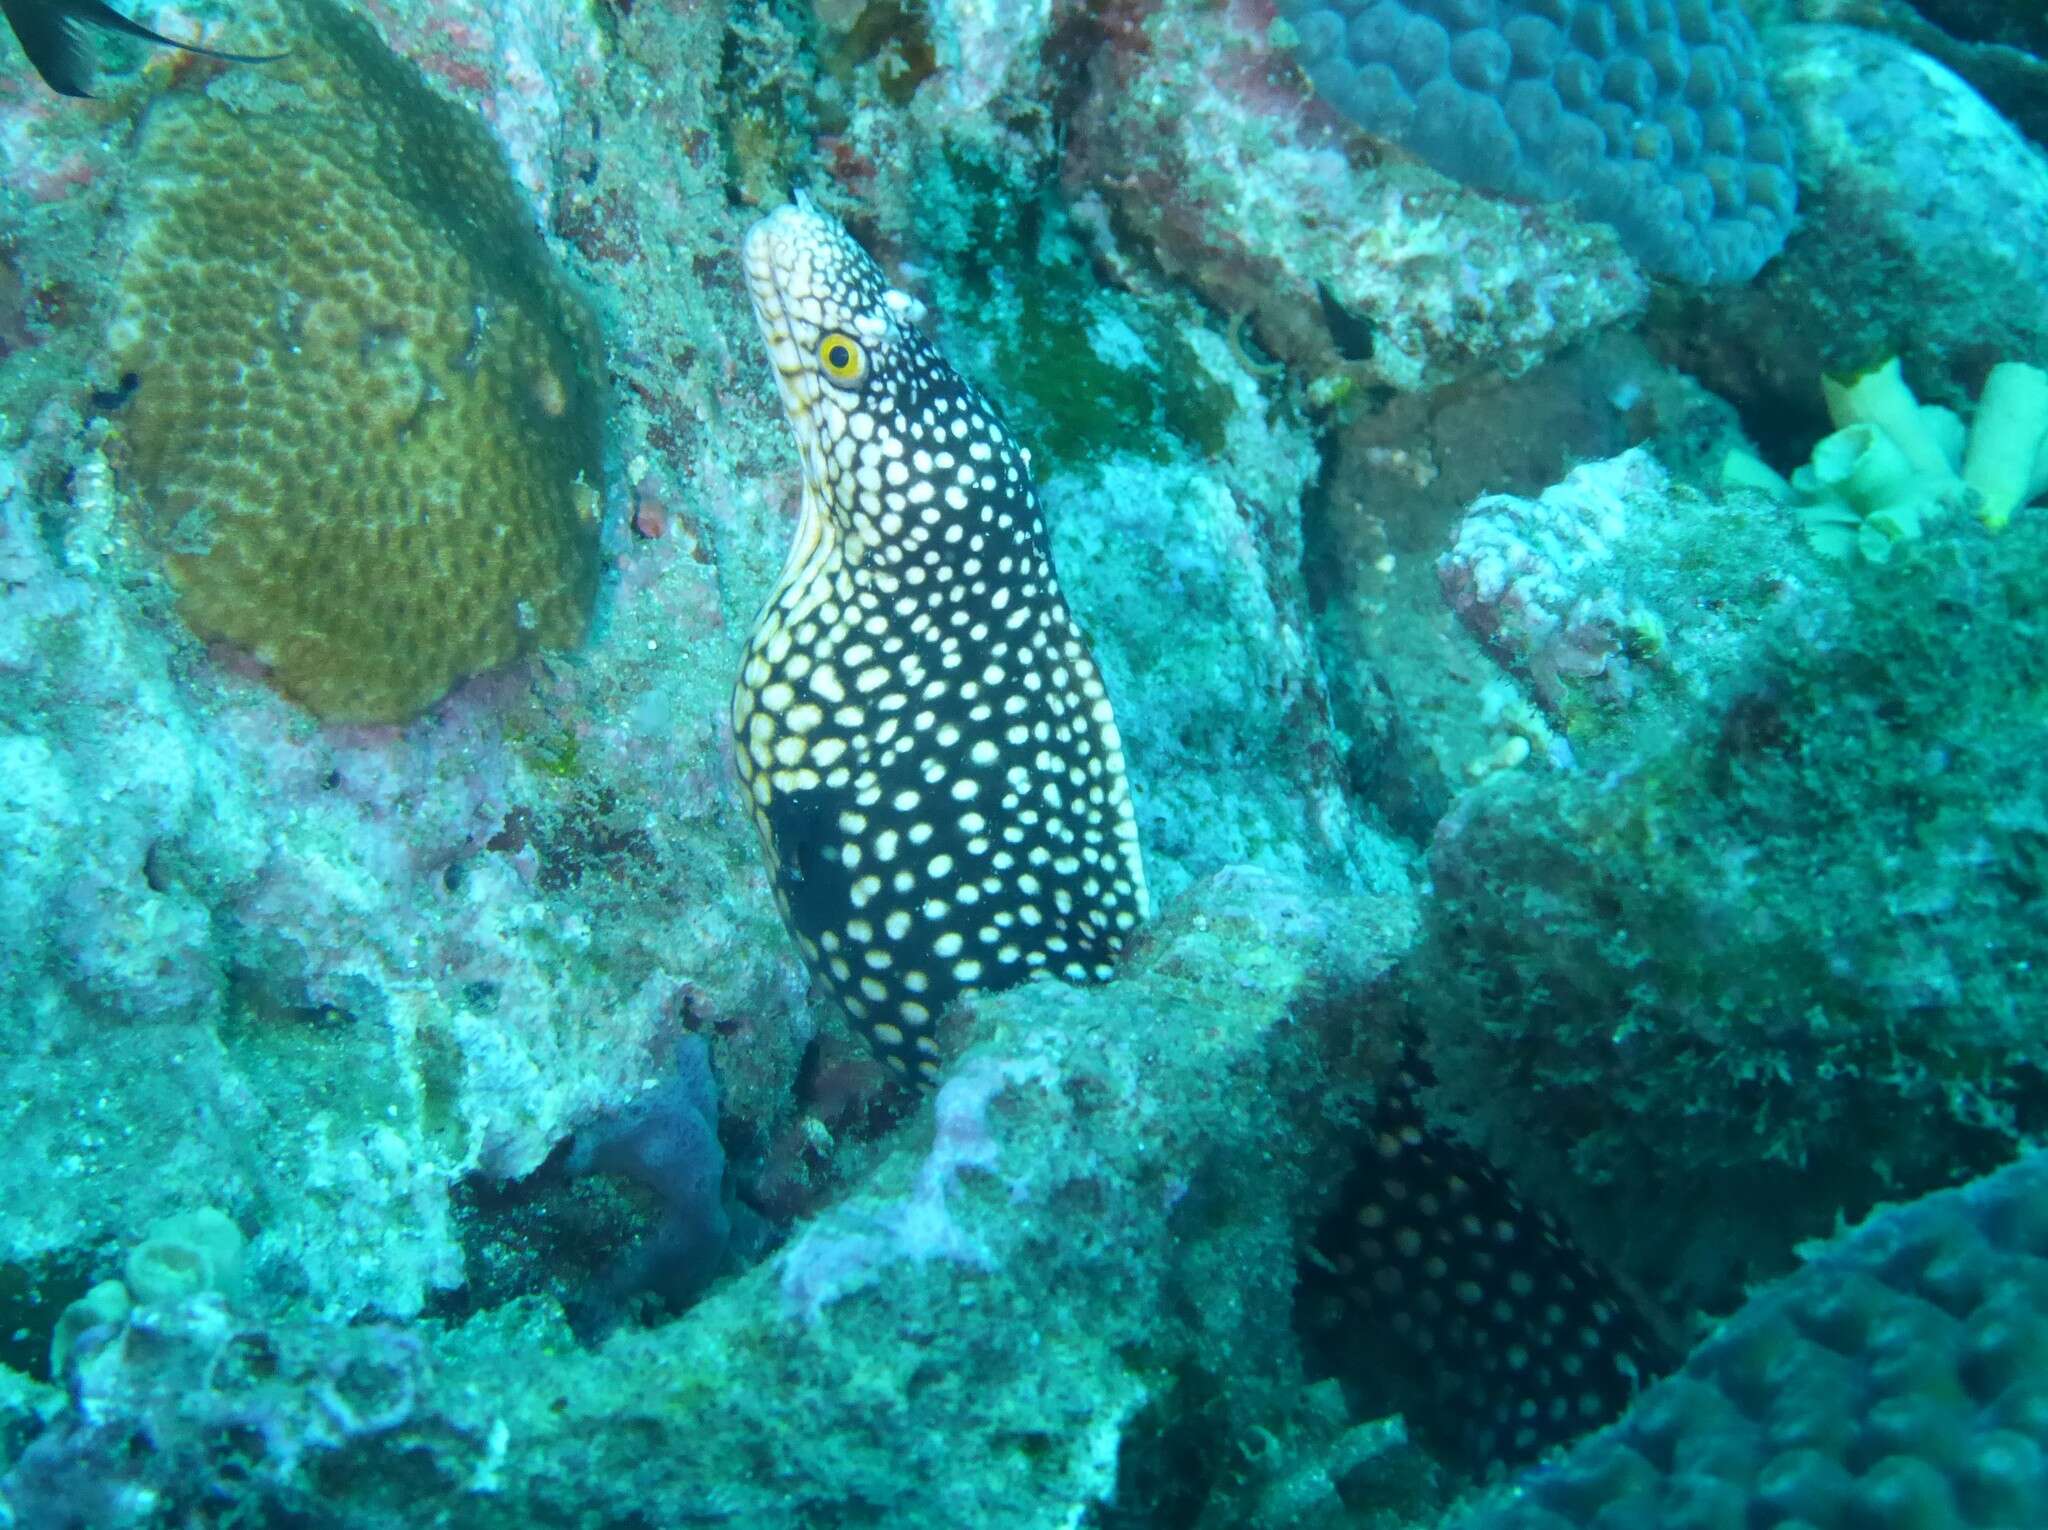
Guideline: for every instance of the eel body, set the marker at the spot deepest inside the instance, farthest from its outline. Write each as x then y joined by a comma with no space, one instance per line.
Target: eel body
934,768
926,745
1512,1339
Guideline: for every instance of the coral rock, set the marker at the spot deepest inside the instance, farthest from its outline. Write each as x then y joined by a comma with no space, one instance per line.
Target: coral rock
1923,235
1200,140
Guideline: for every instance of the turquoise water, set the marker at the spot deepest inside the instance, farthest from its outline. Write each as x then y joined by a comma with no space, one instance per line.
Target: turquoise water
1164,764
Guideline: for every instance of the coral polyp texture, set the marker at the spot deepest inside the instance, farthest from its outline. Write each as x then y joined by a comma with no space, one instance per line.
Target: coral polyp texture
1895,1380
1651,115
368,439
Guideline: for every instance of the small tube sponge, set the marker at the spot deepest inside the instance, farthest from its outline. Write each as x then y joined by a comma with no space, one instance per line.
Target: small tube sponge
1880,397
185,1254
1860,493
180,1256
104,1304
2007,460
1893,460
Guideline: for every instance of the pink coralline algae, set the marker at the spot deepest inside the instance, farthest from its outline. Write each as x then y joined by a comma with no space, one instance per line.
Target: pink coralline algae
847,1249
1537,579
517,61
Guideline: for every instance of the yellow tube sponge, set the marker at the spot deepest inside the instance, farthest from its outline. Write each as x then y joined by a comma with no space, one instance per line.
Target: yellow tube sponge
106,1303
367,427
2008,448
1860,494
1880,397
185,1254
1742,469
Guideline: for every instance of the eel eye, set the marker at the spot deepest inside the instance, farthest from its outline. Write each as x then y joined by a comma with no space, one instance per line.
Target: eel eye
842,358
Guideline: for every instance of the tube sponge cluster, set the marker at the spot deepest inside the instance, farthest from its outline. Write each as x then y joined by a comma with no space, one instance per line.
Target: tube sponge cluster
1651,115
1899,1379
365,427
1893,461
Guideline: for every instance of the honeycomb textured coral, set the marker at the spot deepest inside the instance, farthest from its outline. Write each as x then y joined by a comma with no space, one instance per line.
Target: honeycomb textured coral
1899,1379
368,439
1650,115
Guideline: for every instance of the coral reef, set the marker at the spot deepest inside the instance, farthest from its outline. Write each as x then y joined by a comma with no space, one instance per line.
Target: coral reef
1585,594
184,1409
1228,718
2000,48
1654,119
1894,1380
377,473
1197,142
1526,576
1075,1270
521,64
395,961
567,1203
1726,946
412,964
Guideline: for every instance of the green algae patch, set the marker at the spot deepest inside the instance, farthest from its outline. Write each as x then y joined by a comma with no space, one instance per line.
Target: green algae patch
1081,372
367,438
1086,380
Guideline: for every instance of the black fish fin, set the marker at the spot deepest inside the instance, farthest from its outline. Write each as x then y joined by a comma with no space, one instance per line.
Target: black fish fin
105,16
49,36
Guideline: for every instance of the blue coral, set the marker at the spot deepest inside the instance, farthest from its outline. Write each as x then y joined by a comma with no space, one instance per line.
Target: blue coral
1896,1380
1651,115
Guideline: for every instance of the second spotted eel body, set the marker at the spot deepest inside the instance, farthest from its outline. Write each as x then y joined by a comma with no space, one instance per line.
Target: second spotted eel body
936,774
927,747
1513,1340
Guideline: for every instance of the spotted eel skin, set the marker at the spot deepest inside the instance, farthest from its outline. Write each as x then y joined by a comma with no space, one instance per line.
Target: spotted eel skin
934,768
926,746
1514,1341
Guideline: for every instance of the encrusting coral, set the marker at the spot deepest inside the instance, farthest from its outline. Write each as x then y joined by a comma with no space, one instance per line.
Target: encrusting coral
1894,461
367,436
1653,118
1895,1380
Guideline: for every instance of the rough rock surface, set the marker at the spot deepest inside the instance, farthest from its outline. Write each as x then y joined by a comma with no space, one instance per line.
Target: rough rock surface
1097,1216
1199,141
1924,228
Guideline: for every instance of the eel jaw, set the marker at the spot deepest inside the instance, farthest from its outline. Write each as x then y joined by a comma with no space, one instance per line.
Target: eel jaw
774,259
777,262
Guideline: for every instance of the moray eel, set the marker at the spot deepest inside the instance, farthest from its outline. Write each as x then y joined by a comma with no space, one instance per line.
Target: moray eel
1514,1341
926,745
934,769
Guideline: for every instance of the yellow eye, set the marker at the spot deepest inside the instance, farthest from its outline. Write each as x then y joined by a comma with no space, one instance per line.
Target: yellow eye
842,358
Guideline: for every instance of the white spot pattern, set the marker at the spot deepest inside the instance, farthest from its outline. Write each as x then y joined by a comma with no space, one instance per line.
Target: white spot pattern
987,744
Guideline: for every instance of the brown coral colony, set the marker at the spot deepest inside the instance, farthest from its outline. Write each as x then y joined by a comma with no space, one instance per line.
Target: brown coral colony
368,441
